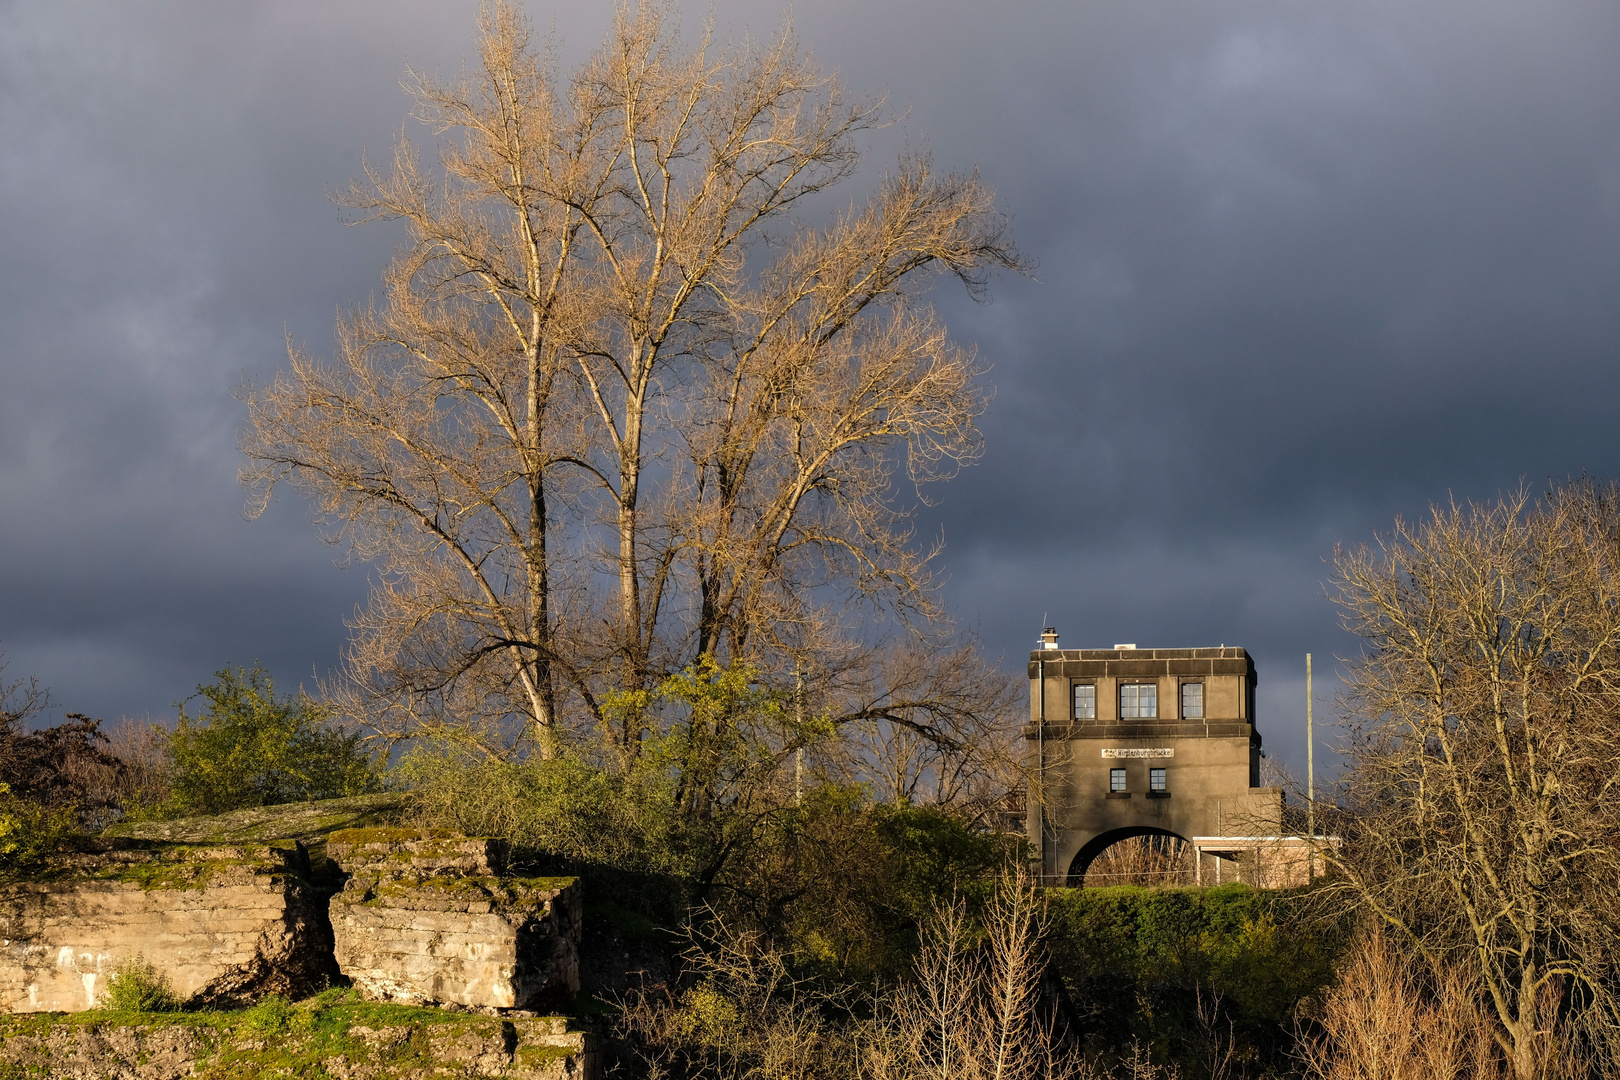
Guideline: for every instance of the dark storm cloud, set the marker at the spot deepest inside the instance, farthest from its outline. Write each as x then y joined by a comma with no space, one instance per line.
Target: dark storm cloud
1302,267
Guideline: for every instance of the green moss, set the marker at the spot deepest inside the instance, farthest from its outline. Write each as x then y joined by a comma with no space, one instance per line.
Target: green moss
309,821
531,1056
277,1038
391,835
470,888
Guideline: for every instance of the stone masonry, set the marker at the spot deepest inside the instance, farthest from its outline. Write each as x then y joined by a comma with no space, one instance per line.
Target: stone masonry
224,924
430,918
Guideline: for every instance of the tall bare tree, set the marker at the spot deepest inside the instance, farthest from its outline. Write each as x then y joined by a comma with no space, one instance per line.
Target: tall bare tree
1484,822
623,404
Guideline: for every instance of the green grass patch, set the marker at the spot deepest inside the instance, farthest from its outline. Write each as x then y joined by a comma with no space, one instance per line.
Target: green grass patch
279,1038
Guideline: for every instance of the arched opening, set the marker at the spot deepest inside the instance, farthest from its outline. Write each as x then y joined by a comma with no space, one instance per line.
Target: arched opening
1137,855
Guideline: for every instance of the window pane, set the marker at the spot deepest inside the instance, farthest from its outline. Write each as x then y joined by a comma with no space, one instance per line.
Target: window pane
1137,700
1116,779
1085,702
1156,779
1192,699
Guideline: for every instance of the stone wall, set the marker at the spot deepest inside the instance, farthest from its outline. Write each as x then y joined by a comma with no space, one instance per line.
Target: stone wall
432,919
416,917
224,924
345,1042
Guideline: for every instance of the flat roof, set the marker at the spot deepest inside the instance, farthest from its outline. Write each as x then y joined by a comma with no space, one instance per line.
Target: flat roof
1221,652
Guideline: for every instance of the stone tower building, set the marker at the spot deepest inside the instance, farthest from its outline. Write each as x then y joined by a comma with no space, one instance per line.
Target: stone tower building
1130,742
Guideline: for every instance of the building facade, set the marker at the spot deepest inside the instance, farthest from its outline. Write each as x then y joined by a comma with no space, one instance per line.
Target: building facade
1130,742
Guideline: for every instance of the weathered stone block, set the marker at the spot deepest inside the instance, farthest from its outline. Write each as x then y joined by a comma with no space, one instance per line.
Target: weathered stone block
222,923
355,1044
430,919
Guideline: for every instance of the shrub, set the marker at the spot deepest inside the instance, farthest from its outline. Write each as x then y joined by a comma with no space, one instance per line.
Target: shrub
1389,1017
137,986
250,748
29,831
1179,970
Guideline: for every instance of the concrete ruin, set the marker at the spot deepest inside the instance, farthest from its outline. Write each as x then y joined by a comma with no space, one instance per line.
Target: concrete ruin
413,917
225,924
429,918
355,1046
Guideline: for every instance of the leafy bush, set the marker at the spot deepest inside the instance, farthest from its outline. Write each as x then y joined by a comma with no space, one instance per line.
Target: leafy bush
1178,970
137,986
29,831
250,748
565,806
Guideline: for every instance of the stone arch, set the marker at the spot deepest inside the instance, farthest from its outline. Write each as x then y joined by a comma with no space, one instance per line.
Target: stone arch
1103,841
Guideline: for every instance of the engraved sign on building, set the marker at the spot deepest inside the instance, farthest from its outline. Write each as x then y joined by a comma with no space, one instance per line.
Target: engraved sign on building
1138,751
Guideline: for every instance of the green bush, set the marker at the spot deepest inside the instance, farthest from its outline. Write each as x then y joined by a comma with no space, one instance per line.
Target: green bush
250,748
564,807
29,831
1142,965
136,986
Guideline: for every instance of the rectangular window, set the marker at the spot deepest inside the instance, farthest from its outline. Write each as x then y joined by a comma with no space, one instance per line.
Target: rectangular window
1137,700
1192,699
1156,780
1116,779
1085,701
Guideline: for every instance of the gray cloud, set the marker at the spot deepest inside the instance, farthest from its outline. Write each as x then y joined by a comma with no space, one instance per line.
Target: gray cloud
1302,268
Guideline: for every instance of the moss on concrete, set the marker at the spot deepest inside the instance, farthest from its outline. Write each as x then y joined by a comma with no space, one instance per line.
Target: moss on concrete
391,835
329,1035
498,891
152,865
310,822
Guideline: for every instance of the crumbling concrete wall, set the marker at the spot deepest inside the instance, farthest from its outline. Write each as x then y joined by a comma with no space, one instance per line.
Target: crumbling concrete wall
432,919
351,1044
224,924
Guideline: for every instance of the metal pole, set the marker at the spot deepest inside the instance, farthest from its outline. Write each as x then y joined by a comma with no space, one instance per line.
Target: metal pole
1310,745
1310,771
1040,762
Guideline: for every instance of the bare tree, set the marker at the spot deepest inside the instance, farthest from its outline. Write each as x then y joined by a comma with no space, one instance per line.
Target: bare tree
1483,817
622,405
19,700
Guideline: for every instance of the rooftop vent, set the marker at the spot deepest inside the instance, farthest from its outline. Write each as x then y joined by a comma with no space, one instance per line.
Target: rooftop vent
1132,645
1049,638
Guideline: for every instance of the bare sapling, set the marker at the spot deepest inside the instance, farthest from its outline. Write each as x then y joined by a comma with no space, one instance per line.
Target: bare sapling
974,1010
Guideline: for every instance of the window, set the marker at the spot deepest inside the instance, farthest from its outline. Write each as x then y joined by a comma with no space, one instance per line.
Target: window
1138,700
1192,699
1116,779
1085,701
1156,780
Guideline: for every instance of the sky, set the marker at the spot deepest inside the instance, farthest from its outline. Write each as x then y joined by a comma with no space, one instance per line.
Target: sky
1302,267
